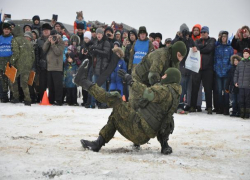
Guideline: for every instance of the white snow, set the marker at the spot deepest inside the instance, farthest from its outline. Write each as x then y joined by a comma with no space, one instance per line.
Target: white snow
35,140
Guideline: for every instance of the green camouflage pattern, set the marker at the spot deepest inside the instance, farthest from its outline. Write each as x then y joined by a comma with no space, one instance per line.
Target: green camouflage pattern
22,58
3,78
125,119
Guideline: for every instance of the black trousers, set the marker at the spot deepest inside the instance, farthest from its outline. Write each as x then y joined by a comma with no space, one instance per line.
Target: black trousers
206,76
42,83
85,96
244,97
71,95
55,84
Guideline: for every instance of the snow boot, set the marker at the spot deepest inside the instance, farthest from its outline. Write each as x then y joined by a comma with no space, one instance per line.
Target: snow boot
209,111
165,148
27,103
192,109
93,145
242,112
226,111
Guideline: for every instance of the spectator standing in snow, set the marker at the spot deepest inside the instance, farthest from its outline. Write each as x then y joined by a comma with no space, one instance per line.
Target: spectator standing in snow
241,39
242,80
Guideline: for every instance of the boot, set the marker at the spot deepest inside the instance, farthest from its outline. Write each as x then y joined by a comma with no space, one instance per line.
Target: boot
226,111
247,113
136,147
27,103
192,109
14,101
4,100
242,112
209,111
165,148
219,111
198,108
93,145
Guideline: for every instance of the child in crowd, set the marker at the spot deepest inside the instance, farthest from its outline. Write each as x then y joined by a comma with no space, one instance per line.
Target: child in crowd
79,20
116,83
242,80
69,71
231,88
66,44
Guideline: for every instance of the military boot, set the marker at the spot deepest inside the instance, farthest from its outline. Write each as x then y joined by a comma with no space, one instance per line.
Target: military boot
242,112
192,109
247,113
209,111
165,148
93,145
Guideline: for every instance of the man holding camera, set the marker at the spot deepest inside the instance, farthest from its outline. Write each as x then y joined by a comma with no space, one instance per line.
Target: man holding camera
183,35
54,46
241,39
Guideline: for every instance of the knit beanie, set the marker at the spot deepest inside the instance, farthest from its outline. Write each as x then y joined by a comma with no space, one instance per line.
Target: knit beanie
184,27
99,30
87,34
64,38
173,76
28,34
117,43
179,46
246,50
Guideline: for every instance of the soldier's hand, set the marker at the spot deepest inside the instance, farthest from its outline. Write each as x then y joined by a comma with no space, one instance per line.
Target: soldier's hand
10,65
125,76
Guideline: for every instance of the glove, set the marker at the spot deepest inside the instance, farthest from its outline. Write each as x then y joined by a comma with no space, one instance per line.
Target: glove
153,77
10,65
227,91
127,78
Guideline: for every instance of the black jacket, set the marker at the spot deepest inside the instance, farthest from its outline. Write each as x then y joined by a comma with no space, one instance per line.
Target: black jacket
40,56
240,45
230,85
88,56
242,74
206,48
101,56
189,44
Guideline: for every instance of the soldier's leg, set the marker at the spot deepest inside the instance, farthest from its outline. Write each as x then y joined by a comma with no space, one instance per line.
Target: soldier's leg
4,85
24,77
14,89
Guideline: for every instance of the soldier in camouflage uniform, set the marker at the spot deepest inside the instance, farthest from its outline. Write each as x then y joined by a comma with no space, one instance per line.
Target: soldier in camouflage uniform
23,58
5,54
156,105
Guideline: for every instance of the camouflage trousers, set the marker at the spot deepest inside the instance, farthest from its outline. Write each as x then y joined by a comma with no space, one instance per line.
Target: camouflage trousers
123,119
24,77
3,78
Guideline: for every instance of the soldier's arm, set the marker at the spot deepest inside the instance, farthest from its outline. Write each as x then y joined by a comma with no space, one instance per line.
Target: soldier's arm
58,48
156,93
132,52
15,50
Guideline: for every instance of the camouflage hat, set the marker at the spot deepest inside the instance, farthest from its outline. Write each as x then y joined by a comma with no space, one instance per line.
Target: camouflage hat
28,34
173,76
6,25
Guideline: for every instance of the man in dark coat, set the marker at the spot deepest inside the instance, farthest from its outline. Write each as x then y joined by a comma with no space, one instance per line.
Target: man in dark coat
241,40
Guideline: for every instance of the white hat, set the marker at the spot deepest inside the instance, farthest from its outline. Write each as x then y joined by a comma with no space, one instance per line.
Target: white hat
87,34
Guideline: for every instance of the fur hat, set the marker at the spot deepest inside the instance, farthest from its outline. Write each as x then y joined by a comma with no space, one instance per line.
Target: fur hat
152,35
142,29
79,14
159,35
119,51
235,56
109,29
46,26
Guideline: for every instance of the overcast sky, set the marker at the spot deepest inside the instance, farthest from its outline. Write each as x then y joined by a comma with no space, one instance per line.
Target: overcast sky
163,16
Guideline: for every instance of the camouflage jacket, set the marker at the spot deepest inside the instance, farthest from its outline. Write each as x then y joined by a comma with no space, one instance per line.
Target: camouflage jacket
23,55
158,61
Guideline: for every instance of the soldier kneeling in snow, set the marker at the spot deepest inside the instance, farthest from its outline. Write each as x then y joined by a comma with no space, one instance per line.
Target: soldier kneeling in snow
157,105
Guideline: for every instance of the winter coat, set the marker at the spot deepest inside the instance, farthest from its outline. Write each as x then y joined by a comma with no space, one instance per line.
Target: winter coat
240,45
23,55
115,80
101,56
41,55
189,44
38,28
69,71
222,64
242,74
132,51
64,54
88,56
5,50
206,48
55,55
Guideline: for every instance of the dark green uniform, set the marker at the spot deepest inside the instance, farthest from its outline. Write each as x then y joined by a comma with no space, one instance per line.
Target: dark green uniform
139,126
23,58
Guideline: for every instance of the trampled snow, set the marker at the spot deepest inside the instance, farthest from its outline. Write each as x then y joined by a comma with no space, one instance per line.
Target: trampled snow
38,141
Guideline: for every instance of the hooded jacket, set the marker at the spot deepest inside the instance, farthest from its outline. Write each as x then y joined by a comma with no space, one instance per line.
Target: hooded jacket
199,36
242,74
222,64
23,55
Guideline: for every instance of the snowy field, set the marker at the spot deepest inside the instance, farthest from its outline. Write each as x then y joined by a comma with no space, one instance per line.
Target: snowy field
37,140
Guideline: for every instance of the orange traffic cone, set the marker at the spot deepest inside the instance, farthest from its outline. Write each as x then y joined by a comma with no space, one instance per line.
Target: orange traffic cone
124,98
45,100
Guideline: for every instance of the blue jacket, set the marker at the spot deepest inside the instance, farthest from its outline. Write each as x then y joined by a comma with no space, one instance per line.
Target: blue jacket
115,80
222,64
5,46
141,49
64,54
69,70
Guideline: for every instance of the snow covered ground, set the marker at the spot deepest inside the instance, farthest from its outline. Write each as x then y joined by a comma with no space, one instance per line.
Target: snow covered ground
35,140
